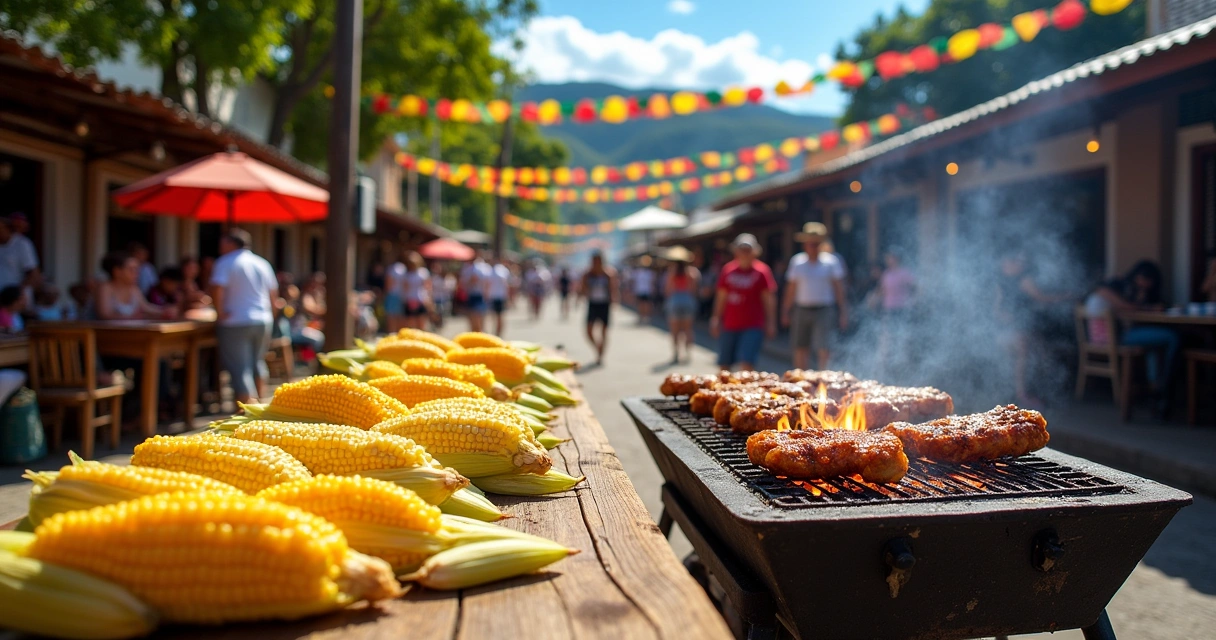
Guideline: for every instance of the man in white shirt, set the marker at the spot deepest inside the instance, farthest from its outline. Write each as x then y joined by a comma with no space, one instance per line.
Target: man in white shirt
474,281
148,276
498,289
18,264
244,288
814,305
21,228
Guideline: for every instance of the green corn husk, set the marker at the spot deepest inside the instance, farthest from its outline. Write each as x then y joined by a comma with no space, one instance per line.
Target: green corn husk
455,531
50,600
49,495
471,504
533,402
430,483
535,414
483,562
553,364
549,441
529,484
552,396
537,426
342,357
474,464
538,375
530,347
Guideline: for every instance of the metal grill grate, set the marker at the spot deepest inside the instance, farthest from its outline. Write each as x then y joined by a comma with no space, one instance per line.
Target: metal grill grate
925,481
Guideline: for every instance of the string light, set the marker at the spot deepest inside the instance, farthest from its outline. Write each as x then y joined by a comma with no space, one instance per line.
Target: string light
1093,145
855,186
82,128
952,168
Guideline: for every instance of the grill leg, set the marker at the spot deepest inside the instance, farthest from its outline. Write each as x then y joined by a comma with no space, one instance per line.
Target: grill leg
665,523
1100,630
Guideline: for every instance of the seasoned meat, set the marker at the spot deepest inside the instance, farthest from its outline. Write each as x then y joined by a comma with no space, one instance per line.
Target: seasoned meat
836,383
703,401
885,404
877,456
729,400
750,417
745,377
680,384
1003,431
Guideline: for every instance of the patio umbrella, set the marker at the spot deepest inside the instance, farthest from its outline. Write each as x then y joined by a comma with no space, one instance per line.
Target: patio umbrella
227,187
652,218
446,249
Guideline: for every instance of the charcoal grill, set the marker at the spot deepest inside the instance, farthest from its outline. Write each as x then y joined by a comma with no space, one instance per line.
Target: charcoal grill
1032,544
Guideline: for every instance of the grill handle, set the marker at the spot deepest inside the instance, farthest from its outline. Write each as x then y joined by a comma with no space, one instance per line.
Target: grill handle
897,554
1047,550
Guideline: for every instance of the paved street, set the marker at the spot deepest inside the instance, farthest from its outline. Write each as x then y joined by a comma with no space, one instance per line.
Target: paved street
1170,596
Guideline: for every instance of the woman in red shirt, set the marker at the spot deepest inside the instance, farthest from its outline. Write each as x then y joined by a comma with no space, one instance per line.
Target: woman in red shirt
745,308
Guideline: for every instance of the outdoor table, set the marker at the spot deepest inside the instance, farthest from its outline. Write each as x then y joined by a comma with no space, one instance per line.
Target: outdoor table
624,583
14,351
1161,317
149,342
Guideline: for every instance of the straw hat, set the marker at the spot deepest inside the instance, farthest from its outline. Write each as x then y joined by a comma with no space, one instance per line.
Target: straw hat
678,254
812,231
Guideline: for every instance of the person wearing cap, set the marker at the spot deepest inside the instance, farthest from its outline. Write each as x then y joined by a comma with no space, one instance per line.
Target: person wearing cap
681,285
745,306
815,304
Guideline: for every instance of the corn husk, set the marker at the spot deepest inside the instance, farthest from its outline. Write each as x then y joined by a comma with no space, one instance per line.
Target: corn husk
432,484
534,402
549,441
484,562
471,504
528,484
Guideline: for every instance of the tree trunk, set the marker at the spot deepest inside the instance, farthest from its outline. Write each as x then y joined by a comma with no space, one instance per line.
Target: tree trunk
170,82
202,86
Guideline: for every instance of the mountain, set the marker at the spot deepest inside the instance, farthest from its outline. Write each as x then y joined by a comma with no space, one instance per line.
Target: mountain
646,139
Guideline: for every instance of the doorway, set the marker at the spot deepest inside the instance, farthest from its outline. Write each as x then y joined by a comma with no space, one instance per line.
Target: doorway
1203,217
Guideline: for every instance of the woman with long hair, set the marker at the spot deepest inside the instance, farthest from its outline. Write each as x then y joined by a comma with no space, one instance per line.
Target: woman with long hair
681,285
120,297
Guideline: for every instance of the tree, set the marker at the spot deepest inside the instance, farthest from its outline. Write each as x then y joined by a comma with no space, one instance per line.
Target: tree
958,86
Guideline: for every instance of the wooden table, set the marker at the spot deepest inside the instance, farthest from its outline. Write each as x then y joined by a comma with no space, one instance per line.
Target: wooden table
149,342
625,583
1161,317
14,351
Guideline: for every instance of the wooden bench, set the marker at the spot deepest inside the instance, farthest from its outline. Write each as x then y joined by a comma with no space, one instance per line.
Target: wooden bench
1193,357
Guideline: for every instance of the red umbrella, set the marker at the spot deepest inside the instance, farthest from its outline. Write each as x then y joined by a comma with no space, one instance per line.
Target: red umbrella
446,249
227,187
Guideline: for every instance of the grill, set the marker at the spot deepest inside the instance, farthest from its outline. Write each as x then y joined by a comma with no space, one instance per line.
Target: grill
1031,544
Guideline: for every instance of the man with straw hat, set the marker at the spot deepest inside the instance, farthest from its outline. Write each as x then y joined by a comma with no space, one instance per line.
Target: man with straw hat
745,307
682,283
815,304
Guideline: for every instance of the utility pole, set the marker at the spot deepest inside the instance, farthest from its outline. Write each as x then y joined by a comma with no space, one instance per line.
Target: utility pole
500,201
343,149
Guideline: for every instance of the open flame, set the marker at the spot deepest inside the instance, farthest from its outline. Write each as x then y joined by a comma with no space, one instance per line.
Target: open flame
852,416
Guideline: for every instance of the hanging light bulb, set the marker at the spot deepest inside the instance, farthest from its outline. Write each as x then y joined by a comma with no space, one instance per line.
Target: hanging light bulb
952,168
855,186
1093,145
157,152
82,128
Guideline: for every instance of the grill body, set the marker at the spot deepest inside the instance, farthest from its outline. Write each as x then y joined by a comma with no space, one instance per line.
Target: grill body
1044,547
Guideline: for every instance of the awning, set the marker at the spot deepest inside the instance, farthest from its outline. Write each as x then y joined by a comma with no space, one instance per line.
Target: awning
473,236
652,218
717,225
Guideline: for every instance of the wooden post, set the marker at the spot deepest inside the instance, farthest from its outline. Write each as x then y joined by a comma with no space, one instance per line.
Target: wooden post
343,149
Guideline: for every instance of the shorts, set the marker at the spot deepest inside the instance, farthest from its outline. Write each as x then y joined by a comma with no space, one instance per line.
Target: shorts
681,305
813,327
642,297
393,306
739,346
242,351
414,308
475,304
597,312
497,305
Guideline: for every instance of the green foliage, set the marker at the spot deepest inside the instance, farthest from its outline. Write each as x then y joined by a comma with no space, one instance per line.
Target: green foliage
955,87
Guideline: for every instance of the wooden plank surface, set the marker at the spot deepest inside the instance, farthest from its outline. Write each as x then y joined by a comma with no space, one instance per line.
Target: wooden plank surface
1160,317
624,583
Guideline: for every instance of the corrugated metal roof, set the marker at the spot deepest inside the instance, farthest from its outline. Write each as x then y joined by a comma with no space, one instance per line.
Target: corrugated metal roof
1123,57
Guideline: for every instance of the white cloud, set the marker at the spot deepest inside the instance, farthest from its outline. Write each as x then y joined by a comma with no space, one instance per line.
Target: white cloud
682,7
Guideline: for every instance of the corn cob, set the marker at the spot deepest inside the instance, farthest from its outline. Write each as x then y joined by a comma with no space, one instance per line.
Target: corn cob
542,416
473,339
411,390
473,442
479,563
93,484
396,349
535,403
483,405
212,558
380,369
551,395
554,363
343,451
248,466
46,599
477,374
507,364
528,484
330,399
427,336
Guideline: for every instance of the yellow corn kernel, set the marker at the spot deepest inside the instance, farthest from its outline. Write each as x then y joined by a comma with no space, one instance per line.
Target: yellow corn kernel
358,505
427,336
410,390
473,339
214,557
248,466
508,365
331,399
473,442
479,405
93,484
381,369
396,349
477,374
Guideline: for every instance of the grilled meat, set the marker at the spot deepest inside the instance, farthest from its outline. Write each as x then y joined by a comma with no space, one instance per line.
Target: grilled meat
680,384
836,383
877,456
745,377
703,401
1003,431
731,399
885,404
750,417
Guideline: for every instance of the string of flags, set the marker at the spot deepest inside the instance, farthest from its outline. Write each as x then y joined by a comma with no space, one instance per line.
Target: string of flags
943,50
562,248
558,229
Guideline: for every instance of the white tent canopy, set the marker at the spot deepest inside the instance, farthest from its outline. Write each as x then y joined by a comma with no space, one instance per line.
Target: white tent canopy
652,218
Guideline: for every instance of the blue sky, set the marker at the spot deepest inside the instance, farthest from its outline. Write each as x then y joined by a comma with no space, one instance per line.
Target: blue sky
697,44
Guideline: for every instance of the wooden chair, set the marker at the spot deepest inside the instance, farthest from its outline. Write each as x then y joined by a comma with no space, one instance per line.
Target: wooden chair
280,358
63,372
1102,357
1193,358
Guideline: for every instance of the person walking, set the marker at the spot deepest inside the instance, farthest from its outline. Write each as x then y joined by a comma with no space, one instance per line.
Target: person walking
441,293
474,280
416,291
599,286
536,286
564,281
745,306
499,290
643,285
394,302
682,282
815,304
244,288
